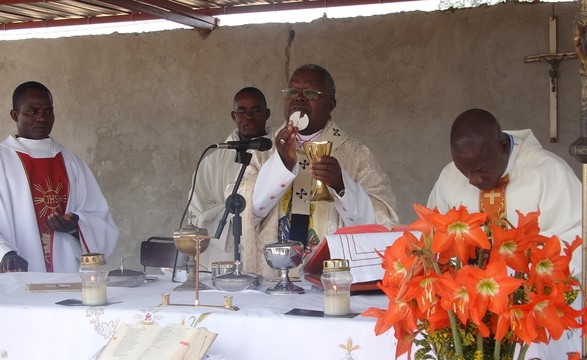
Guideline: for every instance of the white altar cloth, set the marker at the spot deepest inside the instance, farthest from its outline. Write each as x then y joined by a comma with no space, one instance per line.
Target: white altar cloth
34,327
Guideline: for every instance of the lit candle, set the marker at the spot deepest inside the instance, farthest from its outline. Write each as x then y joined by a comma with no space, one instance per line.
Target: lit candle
94,295
337,303
93,273
336,280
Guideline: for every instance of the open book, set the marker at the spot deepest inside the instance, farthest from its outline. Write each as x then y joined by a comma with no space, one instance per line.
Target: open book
357,244
153,342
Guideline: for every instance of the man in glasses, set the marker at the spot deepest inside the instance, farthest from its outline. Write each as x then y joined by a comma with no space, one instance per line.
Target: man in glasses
218,170
277,183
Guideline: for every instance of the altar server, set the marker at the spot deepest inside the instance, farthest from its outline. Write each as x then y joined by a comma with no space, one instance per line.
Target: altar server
219,169
276,184
51,207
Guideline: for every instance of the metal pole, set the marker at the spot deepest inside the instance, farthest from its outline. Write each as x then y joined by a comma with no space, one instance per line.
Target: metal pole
579,147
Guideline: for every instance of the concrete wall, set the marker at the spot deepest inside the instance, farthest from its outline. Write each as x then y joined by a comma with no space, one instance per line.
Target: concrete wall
141,108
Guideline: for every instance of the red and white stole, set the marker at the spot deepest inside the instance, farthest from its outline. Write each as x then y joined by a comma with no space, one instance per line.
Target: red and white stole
493,203
49,187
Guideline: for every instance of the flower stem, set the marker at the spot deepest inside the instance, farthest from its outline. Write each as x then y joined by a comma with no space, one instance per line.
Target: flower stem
497,350
456,337
480,344
523,349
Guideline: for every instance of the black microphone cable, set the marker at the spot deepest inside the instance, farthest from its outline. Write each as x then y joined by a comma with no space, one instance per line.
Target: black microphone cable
187,206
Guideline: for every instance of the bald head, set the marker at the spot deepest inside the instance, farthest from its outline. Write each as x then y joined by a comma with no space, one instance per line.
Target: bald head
480,150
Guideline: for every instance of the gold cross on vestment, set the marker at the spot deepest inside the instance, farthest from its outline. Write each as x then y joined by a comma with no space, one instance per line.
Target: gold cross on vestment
491,196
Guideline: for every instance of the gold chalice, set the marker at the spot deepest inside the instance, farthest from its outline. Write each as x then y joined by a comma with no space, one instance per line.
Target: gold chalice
192,241
314,150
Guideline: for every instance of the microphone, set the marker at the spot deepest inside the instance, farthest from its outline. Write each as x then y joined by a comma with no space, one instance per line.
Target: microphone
261,144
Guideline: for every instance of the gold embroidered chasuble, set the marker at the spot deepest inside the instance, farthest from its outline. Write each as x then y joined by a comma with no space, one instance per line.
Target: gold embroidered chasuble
357,161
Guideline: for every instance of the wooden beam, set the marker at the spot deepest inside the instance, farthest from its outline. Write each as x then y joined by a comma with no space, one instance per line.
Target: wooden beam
167,10
77,21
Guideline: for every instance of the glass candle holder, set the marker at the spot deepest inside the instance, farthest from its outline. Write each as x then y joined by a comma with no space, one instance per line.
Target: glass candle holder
336,280
93,273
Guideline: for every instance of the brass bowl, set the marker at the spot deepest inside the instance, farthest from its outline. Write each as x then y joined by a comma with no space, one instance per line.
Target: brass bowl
187,238
187,244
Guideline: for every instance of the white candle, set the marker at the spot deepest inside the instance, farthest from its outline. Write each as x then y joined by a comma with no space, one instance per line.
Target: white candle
94,295
337,303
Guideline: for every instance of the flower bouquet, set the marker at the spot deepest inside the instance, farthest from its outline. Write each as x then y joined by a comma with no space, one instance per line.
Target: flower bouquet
467,290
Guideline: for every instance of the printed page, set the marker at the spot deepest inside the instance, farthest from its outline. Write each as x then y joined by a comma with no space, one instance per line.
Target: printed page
200,344
130,342
171,344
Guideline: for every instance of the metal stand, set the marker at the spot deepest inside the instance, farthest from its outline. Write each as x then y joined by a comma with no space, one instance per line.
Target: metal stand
579,147
235,204
165,301
192,281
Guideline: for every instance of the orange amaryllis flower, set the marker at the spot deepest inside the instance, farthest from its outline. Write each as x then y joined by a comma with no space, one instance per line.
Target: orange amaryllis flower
528,224
544,313
398,260
547,264
405,340
566,314
458,232
423,224
422,289
513,245
522,325
569,248
437,319
490,288
398,311
452,288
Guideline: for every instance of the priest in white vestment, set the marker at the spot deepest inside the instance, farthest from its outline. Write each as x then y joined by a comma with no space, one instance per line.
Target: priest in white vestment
219,169
537,180
52,209
277,182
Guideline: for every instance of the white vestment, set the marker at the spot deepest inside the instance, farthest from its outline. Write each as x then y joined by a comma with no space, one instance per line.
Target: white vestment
538,180
364,179
18,223
217,171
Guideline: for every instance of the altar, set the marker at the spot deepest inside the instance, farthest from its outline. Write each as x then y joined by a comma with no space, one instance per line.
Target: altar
35,327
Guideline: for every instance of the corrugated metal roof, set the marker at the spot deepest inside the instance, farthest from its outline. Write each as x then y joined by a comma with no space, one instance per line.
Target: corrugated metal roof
199,14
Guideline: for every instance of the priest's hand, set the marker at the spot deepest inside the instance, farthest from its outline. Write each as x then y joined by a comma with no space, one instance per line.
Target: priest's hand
11,262
285,142
327,169
63,223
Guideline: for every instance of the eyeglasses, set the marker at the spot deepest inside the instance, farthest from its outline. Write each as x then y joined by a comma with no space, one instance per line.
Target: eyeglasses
241,114
309,94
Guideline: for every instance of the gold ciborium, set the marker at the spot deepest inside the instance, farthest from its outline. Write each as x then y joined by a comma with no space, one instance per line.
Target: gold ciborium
313,151
192,241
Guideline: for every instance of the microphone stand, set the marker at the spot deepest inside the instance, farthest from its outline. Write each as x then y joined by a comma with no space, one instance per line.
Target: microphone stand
235,204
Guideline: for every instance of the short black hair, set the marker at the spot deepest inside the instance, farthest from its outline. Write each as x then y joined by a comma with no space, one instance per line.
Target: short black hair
18,94
473,128
326,76
253,91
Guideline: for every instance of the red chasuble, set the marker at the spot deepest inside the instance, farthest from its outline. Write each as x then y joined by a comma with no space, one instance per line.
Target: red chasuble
49,186
492,202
